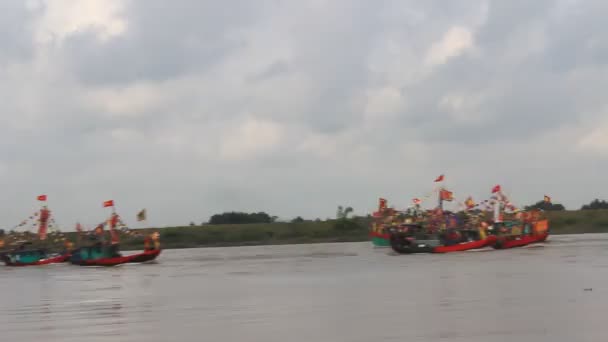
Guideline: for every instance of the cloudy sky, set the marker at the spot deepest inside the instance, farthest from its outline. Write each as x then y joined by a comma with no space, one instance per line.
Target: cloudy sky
192,107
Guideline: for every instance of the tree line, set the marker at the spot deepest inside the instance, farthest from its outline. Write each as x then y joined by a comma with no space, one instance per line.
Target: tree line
343,218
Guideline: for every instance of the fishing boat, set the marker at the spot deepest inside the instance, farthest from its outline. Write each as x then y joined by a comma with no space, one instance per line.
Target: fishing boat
107,254
26,254
443,232
410,239
521,233
23,256
527,227
378,233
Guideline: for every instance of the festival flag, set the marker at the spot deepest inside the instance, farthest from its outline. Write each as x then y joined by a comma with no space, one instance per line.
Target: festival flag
45,214
109,203
79,228
417,201
112,222
439,179
446,195
496,189
547,199
381,204
141,216
42,198
469,203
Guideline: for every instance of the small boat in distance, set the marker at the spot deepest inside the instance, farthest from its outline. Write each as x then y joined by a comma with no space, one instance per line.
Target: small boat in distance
25,254
107,254
22,256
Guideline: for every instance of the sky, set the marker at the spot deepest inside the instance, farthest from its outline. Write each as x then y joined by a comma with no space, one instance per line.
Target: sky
191,107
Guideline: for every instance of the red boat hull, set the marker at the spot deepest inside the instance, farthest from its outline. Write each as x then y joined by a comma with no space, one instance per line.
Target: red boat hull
504,243
53,260
148,255
465,246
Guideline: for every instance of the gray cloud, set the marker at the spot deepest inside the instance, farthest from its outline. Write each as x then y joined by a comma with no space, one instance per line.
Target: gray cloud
195,107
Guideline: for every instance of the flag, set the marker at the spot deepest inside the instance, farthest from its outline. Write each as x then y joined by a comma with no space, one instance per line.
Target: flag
417,201
547,199
469,203
141,216
496,189
42,198
446,195
439,179
381,203
109,203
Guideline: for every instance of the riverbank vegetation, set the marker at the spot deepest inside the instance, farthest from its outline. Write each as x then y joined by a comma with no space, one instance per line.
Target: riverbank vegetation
341,229
239,229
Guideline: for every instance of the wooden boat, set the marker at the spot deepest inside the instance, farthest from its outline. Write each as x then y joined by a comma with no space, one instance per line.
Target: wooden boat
22,256
409,239
108,255
104,254
539,233
25,255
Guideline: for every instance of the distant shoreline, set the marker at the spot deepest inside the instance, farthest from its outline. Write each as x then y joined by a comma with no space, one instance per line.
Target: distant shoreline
279,233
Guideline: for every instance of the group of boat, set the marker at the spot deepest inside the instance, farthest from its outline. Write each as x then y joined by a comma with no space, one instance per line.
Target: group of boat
494,223
91,248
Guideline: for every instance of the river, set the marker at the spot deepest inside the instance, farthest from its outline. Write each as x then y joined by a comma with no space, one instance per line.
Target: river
322,292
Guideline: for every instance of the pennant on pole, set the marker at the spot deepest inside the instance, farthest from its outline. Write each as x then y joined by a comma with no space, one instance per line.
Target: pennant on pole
109,203
41,198
141,216
439,179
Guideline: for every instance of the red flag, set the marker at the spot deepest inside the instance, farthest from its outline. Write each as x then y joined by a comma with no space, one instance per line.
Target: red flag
417,201
440,178
42,198
381,204
446,195
109,203
496,189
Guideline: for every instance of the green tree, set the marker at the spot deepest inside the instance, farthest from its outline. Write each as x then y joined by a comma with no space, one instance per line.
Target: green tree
595,204
546,206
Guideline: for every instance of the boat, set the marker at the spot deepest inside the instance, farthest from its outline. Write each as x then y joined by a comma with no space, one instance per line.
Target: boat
527,227
413,238
107,254
441,231
26,254
518,233
378,232
22,256
386,217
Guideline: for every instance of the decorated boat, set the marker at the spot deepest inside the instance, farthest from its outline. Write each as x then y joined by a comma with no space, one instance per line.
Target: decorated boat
410,239
101,253
25,253
442,231
381,219
24,256
525,227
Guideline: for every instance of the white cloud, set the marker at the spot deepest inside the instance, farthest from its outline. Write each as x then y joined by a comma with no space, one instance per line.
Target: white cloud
62,18
454,42
126,99
250,139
